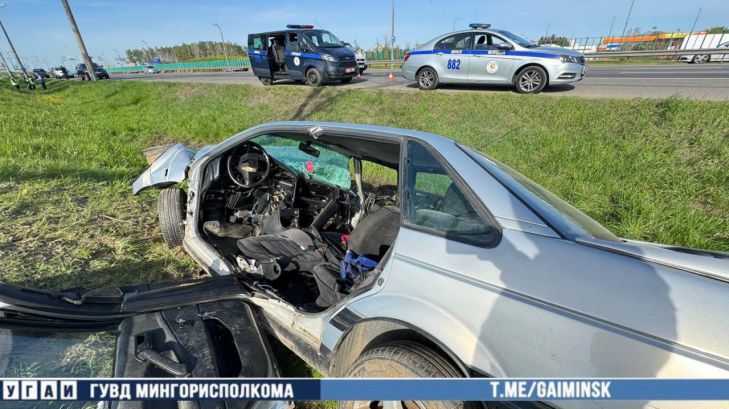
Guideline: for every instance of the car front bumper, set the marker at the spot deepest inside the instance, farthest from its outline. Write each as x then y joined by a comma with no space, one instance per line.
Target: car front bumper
566,73
340,70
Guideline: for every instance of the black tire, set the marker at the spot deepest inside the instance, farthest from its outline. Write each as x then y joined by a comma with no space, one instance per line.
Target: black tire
531,80
171,212
313,77
700,59
404,359
266,81
427,79
346,80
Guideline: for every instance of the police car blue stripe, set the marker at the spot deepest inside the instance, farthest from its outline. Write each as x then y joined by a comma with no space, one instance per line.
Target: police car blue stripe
516,53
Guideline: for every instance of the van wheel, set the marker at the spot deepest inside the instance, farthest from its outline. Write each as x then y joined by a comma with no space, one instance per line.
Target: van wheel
427,79
530,80
403,359
266,81
171,212
313,77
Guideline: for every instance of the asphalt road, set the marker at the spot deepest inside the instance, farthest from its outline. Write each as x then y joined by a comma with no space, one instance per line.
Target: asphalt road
707,82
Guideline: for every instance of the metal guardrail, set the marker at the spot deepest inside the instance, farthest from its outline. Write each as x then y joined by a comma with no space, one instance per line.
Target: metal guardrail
238,63
658,53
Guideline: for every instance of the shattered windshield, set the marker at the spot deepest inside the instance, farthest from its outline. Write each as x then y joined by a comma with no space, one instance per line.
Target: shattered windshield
331,166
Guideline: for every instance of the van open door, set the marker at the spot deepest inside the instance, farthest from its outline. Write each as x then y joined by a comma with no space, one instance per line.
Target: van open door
195,328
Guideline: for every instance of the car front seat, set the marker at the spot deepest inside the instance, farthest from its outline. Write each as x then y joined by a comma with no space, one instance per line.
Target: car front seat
372,238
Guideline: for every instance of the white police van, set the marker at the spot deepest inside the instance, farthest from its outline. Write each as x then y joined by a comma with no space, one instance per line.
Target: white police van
483,55
301,53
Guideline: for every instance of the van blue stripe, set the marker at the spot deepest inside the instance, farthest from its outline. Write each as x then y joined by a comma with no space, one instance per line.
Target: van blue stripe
516,53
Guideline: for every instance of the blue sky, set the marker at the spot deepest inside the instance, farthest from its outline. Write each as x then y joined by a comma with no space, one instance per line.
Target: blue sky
40,30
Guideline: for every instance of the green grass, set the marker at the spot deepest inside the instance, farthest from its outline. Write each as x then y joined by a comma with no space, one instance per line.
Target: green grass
654,170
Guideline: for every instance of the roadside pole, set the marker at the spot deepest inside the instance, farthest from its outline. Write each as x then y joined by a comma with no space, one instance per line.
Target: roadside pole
225,49
12,48
82,47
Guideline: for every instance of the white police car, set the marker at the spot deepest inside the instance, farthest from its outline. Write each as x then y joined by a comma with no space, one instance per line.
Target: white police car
483,55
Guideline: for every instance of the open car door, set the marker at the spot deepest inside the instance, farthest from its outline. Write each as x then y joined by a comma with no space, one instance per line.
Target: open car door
195,328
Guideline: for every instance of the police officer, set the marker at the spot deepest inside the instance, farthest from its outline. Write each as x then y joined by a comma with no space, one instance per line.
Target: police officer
14,83
30,81
41,80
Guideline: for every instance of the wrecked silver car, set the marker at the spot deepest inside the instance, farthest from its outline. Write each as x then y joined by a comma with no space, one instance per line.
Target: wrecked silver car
381,252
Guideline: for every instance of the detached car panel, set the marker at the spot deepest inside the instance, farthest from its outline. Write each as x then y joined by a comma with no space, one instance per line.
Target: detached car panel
198,328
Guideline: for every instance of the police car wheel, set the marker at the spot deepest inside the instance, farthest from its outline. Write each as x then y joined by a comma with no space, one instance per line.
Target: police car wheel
427,79
313,78
531,80
700,59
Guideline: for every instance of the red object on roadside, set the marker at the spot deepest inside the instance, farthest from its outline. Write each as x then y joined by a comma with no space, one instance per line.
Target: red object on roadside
310,166
345,239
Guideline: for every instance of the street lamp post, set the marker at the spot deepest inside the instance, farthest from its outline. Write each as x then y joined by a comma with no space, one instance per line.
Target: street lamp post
12,47
225,49
80,41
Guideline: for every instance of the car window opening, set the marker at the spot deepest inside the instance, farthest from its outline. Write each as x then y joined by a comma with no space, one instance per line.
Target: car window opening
305,220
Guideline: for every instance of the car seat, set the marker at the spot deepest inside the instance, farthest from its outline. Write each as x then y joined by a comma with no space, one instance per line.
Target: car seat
372,238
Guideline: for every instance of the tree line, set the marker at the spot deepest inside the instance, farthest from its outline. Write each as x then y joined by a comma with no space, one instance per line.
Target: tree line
185,52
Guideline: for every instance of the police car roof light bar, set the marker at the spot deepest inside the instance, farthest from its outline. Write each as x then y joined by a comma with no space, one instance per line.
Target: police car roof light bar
479,26
299,26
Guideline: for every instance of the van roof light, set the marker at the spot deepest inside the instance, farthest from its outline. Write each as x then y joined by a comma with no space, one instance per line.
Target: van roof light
479,26
299,26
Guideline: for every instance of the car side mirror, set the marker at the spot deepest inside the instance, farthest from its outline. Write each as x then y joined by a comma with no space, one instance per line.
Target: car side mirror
505,47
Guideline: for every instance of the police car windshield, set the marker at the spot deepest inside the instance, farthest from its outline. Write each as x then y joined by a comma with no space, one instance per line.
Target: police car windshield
515,38
323,39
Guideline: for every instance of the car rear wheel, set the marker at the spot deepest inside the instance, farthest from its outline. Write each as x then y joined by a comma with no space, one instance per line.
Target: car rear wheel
171,213
403,359
266,81
313,77
530,80
700,59
427,79
346,80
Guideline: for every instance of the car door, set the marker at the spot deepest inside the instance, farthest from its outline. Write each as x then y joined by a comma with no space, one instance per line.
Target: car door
451,57
491,62
258,55
294,48
195,328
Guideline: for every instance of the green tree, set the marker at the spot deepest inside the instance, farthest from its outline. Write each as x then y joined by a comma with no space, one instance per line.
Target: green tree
554,39
717,30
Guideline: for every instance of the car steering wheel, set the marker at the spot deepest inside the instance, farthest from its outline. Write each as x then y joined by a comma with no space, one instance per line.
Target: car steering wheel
249,165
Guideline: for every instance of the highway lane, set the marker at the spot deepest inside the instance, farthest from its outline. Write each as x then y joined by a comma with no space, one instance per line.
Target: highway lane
706,82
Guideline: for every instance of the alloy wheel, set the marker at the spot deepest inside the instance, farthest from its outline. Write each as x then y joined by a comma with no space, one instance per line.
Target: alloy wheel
530,80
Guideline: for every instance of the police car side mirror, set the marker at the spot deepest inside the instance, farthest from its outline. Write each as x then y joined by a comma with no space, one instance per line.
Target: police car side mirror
505,47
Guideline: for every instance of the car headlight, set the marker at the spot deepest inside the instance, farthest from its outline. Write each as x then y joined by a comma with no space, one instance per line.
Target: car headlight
569,58
328,57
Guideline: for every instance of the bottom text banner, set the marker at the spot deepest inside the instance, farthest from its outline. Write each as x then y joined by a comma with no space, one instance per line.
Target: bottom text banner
296,389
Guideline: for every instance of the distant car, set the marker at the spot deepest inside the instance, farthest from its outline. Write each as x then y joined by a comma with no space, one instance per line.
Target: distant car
360,56
98,70
60,73
151,69
704,58
43,73
483,55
